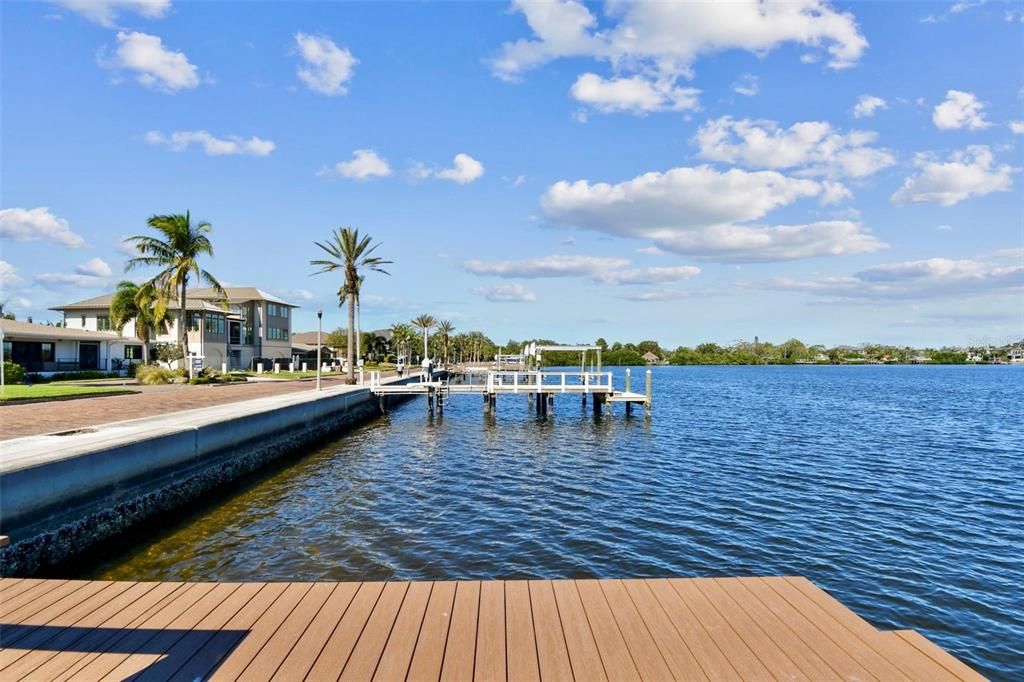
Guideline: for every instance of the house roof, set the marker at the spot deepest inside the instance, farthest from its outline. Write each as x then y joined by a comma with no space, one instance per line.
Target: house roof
235,295
25,330
650,356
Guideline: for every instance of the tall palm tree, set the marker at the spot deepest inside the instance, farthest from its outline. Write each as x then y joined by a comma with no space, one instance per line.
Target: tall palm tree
177,253
401,338
350,253
445,329
424,323
139,303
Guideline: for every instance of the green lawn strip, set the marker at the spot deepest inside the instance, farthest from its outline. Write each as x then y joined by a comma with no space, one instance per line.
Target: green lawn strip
19,392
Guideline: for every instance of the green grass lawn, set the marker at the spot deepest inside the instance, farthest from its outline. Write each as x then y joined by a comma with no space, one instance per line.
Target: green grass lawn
12,393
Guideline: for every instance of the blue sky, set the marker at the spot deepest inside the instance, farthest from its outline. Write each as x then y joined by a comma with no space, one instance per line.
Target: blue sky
839,172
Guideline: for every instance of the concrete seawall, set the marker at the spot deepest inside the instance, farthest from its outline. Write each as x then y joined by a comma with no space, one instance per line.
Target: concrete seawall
60,494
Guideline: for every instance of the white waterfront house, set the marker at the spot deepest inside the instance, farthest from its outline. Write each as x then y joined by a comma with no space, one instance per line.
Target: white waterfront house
249,327
46,349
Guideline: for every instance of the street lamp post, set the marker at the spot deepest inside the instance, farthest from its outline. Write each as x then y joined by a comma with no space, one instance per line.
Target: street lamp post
319,331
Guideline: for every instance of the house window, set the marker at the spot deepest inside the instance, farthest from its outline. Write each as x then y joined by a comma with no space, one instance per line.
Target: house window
214,324
277,310
46,351
102,323
133,352
83,321
277,334
192,322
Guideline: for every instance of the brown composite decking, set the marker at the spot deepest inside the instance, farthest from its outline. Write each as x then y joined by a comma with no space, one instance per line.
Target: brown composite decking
648,629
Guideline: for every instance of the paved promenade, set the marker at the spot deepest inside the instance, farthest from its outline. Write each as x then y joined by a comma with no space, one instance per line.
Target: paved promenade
36,419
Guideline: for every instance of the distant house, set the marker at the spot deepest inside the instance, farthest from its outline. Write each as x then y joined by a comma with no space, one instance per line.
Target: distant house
920,360
45,349
304,346
250,325
1016,355
974,356
651,358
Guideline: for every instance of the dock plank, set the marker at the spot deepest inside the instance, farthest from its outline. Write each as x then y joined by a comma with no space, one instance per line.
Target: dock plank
428,656
397,654
521,641
460,649
634,629
366,655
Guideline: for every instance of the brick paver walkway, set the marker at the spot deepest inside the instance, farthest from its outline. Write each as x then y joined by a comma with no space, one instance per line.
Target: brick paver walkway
39,418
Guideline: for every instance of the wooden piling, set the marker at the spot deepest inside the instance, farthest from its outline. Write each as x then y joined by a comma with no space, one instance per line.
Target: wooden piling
647,402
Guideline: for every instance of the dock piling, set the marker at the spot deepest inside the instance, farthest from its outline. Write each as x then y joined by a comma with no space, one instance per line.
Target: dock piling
647,393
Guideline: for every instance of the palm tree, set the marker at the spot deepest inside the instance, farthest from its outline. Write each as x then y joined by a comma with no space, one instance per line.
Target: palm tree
138,303
177,254
424,323
401,338
445,329
350,253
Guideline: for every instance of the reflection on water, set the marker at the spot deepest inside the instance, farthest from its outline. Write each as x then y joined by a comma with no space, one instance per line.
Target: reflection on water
898,489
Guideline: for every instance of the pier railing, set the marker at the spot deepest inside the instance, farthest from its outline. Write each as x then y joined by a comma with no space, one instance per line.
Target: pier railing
536,382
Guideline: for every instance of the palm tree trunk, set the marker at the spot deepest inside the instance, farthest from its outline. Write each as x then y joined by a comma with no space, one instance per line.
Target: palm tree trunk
425,354
350,350
359,331
183,320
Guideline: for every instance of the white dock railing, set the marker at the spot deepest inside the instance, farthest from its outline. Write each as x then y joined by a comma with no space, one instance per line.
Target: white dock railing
537,382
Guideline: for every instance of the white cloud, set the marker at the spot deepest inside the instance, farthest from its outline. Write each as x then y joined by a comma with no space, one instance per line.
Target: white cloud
365,164
546,266
61,280
154,65
867,105
293,294
8,275
968,173
960,110
912,280
694,211
648,276
814,146
106,12
127,247
635,94
1016,127
94,267
213,146
944,228
667,37
465,169
651,251
506,293
747,85
37,224
327,68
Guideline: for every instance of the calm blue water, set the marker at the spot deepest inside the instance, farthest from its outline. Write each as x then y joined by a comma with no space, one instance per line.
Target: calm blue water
897,489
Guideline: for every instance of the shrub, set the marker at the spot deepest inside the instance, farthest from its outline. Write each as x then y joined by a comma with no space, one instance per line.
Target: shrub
13,372
71,376
151,375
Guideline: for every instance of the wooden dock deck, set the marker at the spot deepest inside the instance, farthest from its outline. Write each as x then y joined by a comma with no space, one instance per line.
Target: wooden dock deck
646,629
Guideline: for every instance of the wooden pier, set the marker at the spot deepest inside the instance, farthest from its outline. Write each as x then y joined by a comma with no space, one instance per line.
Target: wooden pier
538,386
651,629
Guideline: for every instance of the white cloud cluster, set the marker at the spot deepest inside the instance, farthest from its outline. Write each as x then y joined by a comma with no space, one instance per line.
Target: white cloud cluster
328,68
8,275
154,65
546,266
967,173
213,146
1016,127
602,270
913,280
106,12
813,146
365,164
698,211
37,224
506,293
465,169
91,274
867,105
748,85
94,267
634,94
960,110
667,37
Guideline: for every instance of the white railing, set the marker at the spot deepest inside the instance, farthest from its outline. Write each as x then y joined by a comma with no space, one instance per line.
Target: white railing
533,382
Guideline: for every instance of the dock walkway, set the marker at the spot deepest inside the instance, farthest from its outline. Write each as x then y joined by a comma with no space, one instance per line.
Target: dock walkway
648,629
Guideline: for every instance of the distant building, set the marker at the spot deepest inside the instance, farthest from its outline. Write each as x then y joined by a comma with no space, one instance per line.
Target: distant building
920,360
651,358
251,325
1016,355
45,349
974,356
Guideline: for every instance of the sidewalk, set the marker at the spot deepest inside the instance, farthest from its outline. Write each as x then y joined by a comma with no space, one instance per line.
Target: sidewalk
40,418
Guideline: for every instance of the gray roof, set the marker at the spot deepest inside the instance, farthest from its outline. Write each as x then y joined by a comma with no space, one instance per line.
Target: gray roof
235,295
26,330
